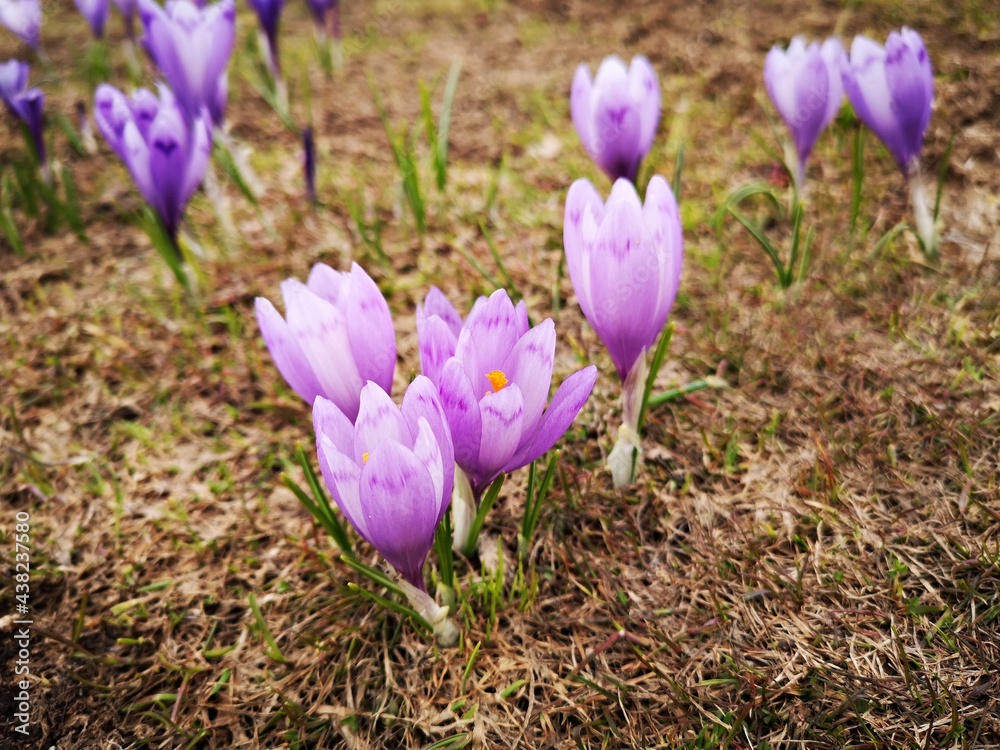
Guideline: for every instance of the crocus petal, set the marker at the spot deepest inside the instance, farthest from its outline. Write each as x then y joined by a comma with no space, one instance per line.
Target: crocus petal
23,18
437,304
494,330
503,418
584,209
330,421
529,366
907,71
644,88
401,508
96,13
327,282
342,477
427,449
288,356
836,64
369,327
422,402
379,420
111,113
461,407
437,345
867,87
321,330
663,221
565,405
168,160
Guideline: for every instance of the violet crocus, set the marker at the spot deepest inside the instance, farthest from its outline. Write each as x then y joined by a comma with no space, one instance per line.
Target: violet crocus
166,153
26,104
617,113
191,47
624,259
128,9
390,472
96,14
336,336
269,15
22,18
326,14
494,373
309,163
805,86
891,89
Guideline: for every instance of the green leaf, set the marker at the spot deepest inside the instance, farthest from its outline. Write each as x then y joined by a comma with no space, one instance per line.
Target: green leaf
375,576
391,606
654,369
484,507
338,532
271,649
441,146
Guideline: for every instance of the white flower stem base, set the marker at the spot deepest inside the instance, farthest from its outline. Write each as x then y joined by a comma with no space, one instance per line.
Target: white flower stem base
463,511
926,226
445,629
626,455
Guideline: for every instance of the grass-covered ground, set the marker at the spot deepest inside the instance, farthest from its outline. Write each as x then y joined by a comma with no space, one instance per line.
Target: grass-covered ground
811,557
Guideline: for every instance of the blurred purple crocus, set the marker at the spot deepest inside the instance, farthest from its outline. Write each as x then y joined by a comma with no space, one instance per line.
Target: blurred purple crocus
96,13
23,18
891,89
309,162
26,104
624,259
269,15
617,113
805,86
191,47
494,375
323,10
336,336
166,153
391,474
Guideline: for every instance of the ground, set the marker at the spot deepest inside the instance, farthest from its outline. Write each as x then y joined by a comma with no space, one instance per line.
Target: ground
811,557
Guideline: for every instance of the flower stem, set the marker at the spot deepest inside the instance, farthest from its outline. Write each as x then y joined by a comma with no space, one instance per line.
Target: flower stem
926,226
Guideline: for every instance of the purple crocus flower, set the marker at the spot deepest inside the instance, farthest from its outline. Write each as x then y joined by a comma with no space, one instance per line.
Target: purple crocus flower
309,162
494,374
166,153
191,47
805,86
617,113
891,89
26,104
336,336
96,13
326,13
624,259
23,18
269,15
391,471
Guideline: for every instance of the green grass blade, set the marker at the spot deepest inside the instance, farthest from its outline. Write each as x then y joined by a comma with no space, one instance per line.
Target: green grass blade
391,606
338,532
271,649
678,172
443,541
654,369
764,242
508,279
441,138
857,179
7,223
942,173
375,576
165,246
484,507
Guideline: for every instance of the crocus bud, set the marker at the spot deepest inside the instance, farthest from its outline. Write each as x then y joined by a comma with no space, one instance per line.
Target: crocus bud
309,162
891,89
191,47
336,336
805,86
494,375
624,259
269,15
26,104
128,9
23,18
166,153
96,13
617,113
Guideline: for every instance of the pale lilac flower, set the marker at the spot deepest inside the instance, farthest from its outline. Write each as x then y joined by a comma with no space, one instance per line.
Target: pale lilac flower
96,13
624,259
23,18
166,152
269,15
494,375
891,89
336,336
617,113
191,47
390,471
805,86
26,104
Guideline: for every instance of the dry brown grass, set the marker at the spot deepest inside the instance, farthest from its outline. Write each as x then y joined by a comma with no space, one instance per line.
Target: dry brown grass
811,559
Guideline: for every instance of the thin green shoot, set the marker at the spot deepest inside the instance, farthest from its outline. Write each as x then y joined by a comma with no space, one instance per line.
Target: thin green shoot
508,279
271,649
484,507
654,369
391,606
678,172
535,499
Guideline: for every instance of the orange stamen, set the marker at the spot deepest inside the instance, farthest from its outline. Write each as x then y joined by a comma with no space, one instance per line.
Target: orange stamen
497,380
